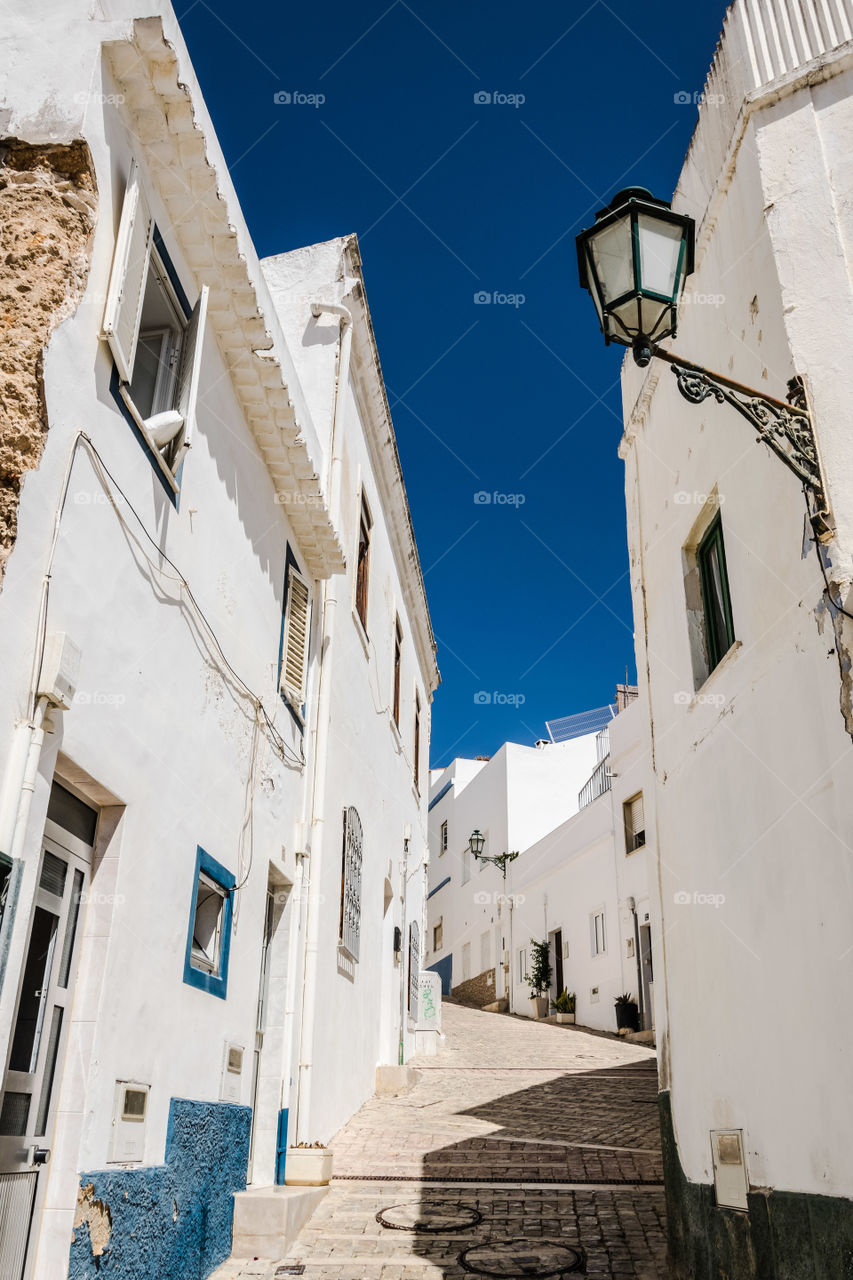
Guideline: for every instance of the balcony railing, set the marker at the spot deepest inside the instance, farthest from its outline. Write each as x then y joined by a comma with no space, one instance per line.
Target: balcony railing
597,785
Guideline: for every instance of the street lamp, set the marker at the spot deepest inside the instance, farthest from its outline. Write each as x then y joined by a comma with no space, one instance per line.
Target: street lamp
634,261
476,843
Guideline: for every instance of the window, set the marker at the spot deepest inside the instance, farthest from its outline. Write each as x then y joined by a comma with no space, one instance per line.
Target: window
522,964
438,935
349,933
598,936
466,864
209,935
442,842
635,823
716,600
362,563
417,742
398,656
296,630
155,338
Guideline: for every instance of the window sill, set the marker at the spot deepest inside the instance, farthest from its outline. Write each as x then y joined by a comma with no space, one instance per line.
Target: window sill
362,634
168,475
702,696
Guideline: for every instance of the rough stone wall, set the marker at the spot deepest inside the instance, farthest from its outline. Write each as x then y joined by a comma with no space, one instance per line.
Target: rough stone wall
48,201
171,1221
477,991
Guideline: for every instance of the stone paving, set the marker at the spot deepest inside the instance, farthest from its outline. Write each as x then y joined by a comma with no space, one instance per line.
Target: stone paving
548,1133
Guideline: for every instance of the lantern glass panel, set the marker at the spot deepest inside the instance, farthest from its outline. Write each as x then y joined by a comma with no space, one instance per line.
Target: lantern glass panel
654,314
611,255
660,248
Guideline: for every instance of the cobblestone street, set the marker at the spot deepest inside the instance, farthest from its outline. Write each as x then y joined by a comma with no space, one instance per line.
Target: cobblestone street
516,1131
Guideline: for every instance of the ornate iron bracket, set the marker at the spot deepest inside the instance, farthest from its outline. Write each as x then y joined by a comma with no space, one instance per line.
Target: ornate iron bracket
784,426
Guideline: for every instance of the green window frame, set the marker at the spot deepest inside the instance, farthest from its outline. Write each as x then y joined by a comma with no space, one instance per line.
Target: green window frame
716,596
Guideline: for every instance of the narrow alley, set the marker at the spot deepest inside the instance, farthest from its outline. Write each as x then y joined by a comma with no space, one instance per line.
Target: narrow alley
524,1149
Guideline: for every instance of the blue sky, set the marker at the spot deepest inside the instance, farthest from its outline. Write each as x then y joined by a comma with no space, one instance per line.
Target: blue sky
515,399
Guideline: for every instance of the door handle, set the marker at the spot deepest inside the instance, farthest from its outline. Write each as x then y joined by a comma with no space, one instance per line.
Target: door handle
39,1155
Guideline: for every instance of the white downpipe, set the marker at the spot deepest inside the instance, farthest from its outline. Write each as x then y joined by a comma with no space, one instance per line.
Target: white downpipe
297,928
321,735
21,782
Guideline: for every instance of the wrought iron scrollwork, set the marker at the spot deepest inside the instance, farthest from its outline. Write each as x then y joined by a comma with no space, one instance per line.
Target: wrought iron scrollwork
786,429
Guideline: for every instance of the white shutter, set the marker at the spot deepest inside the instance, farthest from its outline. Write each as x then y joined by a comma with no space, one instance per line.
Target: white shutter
189,370
127,278
294,652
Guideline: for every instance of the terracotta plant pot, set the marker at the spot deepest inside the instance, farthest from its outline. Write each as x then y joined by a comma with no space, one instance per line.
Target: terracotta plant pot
307,1167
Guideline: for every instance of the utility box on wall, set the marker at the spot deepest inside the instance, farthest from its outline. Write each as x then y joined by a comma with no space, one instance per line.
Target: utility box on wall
232,1073
731,1184
130,1111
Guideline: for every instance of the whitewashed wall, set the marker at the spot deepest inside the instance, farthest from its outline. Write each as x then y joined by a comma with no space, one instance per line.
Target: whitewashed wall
514,798
753,768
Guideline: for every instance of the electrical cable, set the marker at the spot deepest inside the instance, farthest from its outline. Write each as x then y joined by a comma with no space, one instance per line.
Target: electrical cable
284,752
828,590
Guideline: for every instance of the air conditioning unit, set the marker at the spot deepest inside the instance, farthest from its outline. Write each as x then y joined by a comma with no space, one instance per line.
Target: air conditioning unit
232,1073
130,1112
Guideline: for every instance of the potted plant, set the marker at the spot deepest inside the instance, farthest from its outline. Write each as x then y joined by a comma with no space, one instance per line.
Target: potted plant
308,1164
564,1006
627,1013
539,978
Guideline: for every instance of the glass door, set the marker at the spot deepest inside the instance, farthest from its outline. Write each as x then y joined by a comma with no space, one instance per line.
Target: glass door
30,1084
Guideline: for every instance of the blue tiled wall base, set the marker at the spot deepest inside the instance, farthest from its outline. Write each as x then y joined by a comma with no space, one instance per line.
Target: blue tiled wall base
172,1221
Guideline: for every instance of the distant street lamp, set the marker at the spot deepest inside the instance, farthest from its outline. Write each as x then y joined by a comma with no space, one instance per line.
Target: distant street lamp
634,261
476,843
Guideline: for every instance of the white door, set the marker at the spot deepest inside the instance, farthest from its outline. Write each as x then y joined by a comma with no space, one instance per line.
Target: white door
34,1069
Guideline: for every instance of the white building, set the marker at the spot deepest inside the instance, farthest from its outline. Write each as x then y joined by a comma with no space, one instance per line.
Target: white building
571,809
750,707
585,887
218,669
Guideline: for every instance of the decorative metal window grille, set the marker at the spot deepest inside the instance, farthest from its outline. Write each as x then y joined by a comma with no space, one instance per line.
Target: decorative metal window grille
414,967
350,925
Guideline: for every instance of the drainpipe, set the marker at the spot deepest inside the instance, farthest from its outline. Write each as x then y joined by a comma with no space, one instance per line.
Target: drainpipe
404,953
20,782
321,733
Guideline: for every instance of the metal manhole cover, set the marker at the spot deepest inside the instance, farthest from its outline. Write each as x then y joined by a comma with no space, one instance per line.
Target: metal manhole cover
438,1216
520,1258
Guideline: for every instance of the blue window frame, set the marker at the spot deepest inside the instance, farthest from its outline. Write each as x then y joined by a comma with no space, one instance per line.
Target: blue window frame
209,933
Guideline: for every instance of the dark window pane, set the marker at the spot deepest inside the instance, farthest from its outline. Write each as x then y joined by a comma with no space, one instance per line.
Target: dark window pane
49,1069
13,1116
71,930
36,978
715,593
53,872
73,815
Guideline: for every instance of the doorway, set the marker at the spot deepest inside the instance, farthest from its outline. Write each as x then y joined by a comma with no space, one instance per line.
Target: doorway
40,1028
557,944
646,975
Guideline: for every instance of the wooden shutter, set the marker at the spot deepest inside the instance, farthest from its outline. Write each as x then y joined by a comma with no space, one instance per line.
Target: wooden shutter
189,372
294,650
127,279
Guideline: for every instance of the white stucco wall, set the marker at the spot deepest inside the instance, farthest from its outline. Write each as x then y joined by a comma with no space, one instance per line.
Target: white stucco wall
160,731
753,766
514,799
